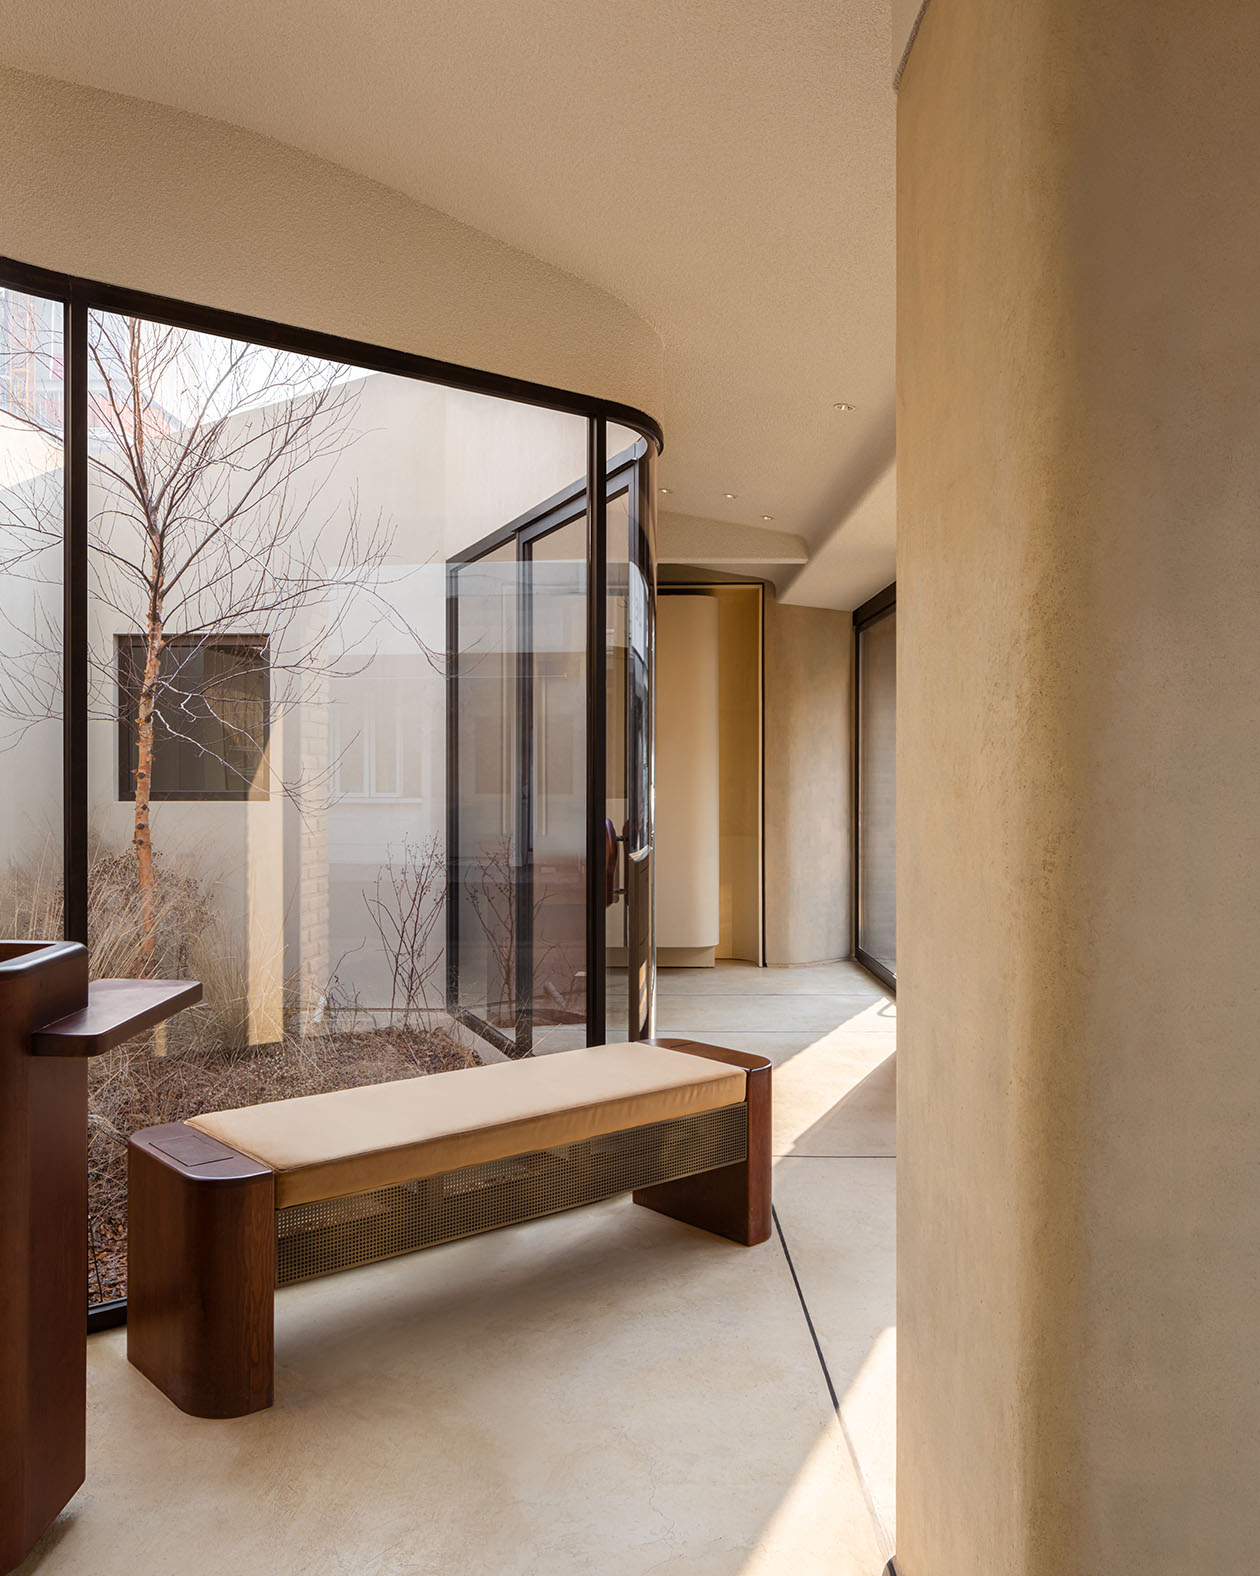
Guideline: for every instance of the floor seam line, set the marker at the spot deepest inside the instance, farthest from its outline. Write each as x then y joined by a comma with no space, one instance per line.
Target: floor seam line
809,1323
881,1532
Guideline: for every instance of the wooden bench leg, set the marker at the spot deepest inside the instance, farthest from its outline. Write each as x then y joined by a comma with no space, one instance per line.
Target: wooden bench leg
201,1271
732,1201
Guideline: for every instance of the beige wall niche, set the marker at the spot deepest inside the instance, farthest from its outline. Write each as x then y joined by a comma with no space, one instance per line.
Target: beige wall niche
1078,586
687,780
738,611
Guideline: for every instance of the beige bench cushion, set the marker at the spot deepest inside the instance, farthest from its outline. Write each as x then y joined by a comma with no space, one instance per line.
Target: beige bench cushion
327,1145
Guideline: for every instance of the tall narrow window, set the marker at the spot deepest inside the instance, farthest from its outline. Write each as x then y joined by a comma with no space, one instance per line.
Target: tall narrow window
876,625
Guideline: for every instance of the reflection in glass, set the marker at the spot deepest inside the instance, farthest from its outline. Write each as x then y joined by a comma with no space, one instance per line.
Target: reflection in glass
629,958
617,784
486,868
556,815
32,430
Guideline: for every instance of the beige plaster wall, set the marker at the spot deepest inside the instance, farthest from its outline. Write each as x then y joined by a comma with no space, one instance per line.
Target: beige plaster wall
1079,760
134,194
808,793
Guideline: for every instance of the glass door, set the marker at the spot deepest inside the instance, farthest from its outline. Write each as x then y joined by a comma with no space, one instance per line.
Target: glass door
549,761
518,794
629,950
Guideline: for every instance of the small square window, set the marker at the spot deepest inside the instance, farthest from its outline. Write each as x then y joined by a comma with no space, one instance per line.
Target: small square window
210,717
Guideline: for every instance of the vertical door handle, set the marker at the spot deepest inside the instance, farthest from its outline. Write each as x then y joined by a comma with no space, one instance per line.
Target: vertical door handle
611,860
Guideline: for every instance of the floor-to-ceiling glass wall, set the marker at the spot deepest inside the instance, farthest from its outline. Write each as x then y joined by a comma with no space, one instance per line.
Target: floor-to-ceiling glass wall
550,791
875,625
285,701
519,795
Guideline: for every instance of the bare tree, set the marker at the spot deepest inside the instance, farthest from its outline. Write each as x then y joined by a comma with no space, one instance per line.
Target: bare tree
207,458
405,904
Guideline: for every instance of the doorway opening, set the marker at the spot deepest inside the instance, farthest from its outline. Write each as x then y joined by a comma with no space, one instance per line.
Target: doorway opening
709,745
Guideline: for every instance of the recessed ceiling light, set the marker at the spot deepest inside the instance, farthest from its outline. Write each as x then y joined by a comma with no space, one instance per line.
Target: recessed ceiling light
667,489
730,497
843,405
767,517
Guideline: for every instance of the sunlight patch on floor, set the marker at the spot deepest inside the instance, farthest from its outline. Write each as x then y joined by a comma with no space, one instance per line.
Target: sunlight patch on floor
799,1537
868,1408
836,1095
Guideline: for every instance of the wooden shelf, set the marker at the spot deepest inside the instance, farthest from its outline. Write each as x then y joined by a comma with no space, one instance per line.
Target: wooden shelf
117,1011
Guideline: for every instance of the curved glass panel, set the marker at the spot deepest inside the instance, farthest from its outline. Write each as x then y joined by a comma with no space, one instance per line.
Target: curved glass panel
343,751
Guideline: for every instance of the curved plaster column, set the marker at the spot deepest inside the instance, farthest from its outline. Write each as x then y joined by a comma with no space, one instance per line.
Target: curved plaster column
1078,596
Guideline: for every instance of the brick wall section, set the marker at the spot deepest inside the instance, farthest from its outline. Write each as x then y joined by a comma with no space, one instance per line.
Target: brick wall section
314,963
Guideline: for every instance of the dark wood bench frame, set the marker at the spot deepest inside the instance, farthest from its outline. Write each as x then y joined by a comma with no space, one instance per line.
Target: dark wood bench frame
202,1247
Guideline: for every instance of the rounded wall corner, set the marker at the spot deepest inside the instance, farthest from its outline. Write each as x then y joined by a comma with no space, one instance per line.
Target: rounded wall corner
140,196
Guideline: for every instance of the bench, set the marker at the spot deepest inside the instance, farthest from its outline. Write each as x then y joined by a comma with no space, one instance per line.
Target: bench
227,1206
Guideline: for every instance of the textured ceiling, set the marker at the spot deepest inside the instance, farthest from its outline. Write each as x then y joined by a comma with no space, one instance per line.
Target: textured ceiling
725,167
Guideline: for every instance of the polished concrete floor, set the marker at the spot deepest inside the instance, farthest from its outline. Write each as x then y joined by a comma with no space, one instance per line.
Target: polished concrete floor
603,1393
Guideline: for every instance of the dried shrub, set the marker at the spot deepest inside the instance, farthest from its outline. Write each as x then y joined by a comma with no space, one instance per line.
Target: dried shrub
31,904
405,905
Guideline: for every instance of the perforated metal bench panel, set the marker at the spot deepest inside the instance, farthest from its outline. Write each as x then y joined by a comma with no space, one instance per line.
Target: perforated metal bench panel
340,1233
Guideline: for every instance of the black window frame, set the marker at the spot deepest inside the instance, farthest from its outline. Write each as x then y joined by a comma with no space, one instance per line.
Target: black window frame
249,791
78,296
